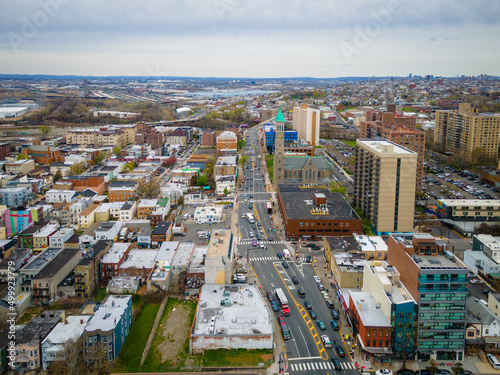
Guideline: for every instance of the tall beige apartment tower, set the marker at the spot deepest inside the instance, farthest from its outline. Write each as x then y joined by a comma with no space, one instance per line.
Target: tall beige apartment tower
464,130
279,151
384,184
306,123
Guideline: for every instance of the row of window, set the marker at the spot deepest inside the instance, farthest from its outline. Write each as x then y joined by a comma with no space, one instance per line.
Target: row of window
319,224
380,332
373,343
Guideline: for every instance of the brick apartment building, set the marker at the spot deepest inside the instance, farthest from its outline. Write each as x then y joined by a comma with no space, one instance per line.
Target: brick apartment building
80,183
208,138
397,129
4,150
43,154
149,135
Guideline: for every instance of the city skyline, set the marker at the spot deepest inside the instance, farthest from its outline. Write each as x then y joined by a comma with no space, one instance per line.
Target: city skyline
231,38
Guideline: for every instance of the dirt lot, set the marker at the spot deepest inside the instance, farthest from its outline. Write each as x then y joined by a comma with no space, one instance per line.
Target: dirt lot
170,346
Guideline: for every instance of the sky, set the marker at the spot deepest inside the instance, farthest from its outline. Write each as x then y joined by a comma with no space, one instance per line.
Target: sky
250,38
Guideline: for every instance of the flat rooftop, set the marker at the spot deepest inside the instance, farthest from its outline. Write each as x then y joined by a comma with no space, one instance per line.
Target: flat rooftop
298,201
471,203
115,253
370,243
366,306
58,262
245,314
198,259
108,313
219,243
44,258
140,258
167,251
382,146
148,203
183,254
72,328
350,262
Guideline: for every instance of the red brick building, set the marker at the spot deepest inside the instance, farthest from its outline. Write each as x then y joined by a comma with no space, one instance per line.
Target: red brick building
208,138
5,150
80,183
149,135
400,130
43,154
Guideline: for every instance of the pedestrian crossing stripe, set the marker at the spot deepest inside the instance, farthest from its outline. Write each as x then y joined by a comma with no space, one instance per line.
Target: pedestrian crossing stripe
246,242
320,366
266,258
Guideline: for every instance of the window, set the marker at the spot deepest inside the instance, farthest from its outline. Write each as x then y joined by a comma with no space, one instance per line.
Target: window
367,333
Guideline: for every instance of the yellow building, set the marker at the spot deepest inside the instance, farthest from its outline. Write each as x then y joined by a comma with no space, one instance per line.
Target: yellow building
227,140
23,166
87,217
103,212
465,130
384,184
306,123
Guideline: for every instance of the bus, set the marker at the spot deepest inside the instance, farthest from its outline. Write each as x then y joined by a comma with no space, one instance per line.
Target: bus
269,207
250,218
280,295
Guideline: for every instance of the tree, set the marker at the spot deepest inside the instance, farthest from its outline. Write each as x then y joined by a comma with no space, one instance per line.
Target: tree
130,166
57,175
22,157
117,150
226,192
240,144
336,187
98,158
202,180
180,200
78,168
243,160
148,189
44,129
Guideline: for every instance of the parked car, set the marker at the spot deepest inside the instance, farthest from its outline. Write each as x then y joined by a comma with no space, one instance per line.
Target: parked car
275,306
281,320
335,314
383,371
317,279
270,296
321,287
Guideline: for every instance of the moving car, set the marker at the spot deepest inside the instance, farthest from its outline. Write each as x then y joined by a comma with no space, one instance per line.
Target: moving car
312,314
308,305
335,314
326,341
254,243
336,363
275,306
321,325
295,280
340,351
279,255
270,238
284,264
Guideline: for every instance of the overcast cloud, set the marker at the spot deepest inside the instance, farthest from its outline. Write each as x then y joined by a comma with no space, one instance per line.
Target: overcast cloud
250,38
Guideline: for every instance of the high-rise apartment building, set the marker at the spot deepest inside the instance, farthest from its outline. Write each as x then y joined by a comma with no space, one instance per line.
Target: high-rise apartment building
398,129
437,281
465,130
306,123
384,184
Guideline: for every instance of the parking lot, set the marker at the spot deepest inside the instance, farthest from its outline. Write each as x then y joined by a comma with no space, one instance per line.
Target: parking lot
193,228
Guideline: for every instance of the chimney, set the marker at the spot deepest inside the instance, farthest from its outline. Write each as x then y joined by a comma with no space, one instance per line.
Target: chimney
66,321
81,321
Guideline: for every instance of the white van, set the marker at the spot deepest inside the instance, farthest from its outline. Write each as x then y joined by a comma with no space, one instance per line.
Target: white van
495,363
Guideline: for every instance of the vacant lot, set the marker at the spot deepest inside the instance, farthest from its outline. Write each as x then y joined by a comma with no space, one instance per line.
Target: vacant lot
170,347
129,359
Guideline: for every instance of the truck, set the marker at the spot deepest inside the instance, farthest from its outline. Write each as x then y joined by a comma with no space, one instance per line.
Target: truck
280,295
179,229
123,233
286,254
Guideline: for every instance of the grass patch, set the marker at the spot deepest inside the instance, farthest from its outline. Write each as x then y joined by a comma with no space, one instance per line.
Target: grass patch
129,359
178,341
237,357
349,143
100,295
346,171
29,314
318,146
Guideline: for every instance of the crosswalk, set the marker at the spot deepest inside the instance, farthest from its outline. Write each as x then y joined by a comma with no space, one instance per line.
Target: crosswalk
256,259
320,365
246,242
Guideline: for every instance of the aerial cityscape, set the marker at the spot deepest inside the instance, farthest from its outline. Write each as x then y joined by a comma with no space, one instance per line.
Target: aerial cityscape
250,188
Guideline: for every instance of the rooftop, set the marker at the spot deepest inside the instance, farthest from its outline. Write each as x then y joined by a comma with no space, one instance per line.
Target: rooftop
219,243
183,254
298,201
167,251
57,263
198,259
246,313
350,262
148,203
471,202
71,328
382,146
44,258
140,258
39,327
369,310
109,313
115,253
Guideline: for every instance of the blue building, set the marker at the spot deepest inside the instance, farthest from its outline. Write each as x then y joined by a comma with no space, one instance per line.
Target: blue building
15,196
108,329
291,136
